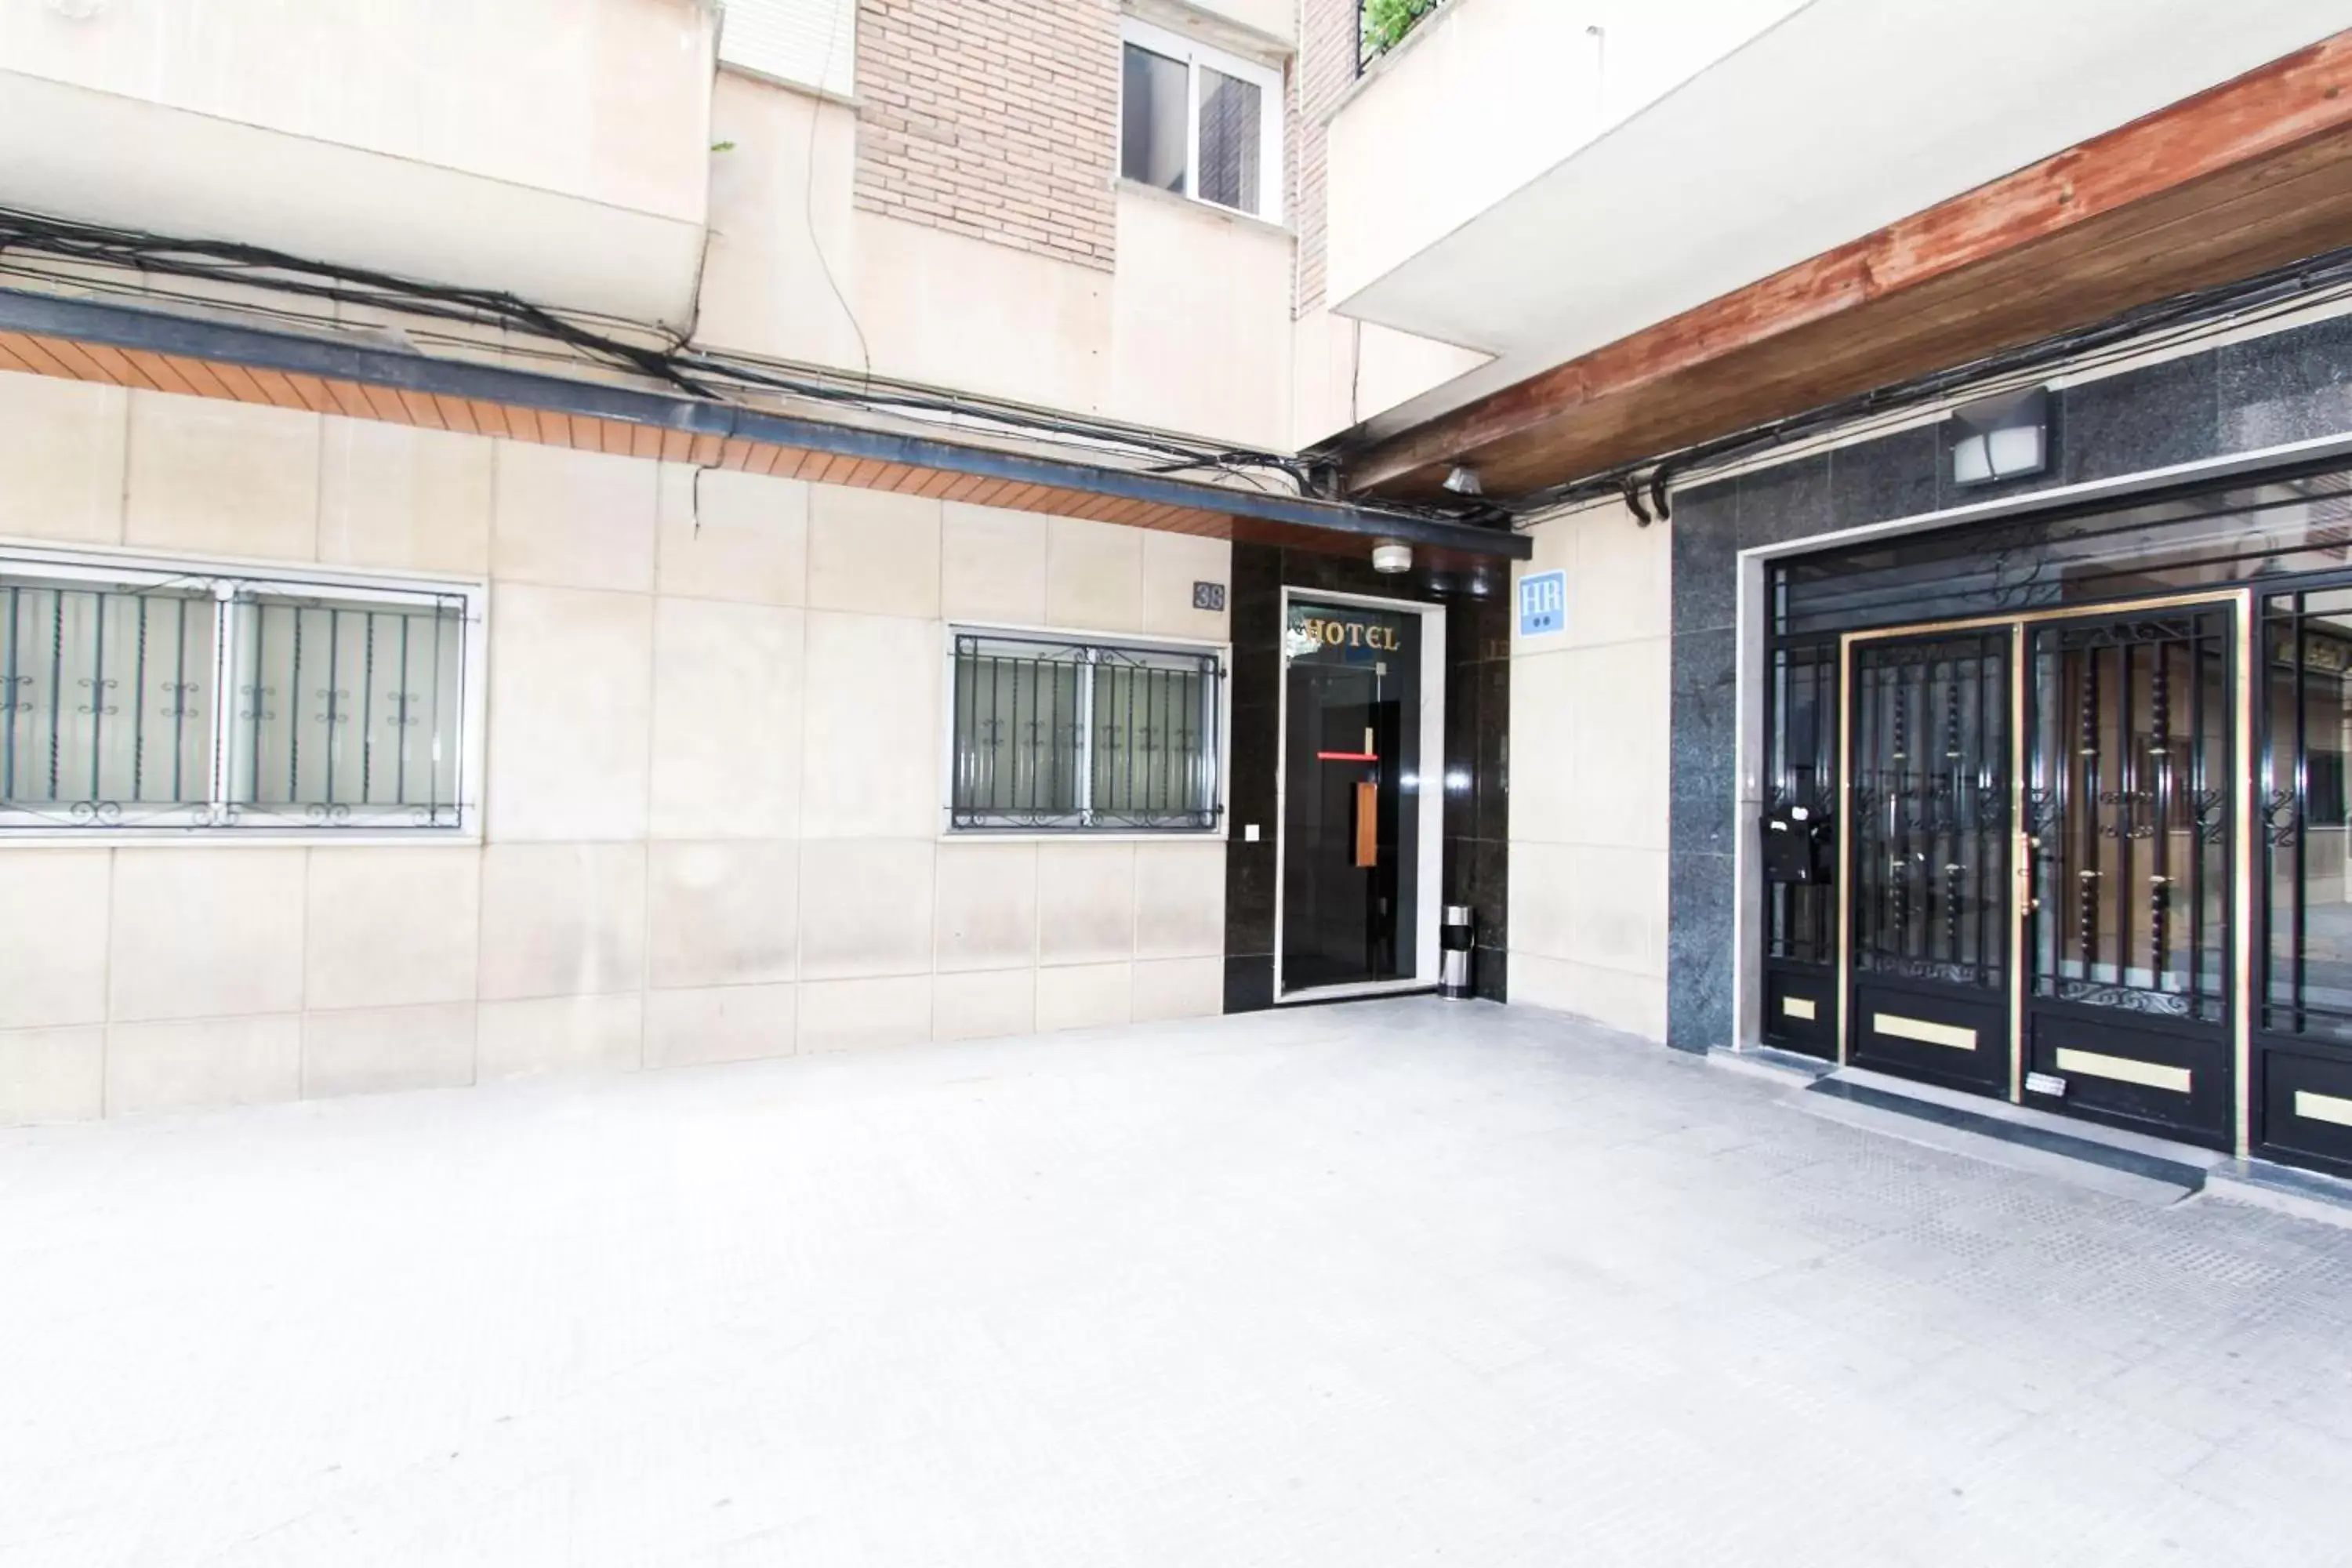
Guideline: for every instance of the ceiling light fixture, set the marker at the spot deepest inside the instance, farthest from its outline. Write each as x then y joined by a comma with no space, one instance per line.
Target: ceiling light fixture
1391,559
1463,480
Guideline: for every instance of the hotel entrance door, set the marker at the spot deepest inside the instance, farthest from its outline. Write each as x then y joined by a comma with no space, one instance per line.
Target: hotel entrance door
1352,821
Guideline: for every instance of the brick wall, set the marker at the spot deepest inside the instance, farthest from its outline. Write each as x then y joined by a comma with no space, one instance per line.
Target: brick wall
997,121
1323,72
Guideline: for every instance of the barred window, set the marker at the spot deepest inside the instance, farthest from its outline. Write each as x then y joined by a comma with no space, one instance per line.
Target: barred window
1050,734
176,698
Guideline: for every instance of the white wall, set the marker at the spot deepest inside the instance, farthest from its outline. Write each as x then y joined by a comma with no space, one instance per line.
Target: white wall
1191,332
602,98
1346,372
555,148
1199,319
1590,715
1487,94
712,823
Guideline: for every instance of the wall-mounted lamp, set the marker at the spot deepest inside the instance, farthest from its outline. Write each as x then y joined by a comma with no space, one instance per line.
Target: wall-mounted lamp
1463,480
2004,438
1392,558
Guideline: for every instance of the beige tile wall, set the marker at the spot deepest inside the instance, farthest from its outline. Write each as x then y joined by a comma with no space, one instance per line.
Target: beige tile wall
711,824
1590,712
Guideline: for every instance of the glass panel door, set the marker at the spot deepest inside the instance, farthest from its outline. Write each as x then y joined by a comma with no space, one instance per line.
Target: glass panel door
1351,830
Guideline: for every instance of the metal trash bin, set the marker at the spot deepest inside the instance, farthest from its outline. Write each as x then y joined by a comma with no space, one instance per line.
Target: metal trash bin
1454,946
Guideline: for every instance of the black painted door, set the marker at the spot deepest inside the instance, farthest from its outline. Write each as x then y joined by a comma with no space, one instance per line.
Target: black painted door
1928,857
2129,934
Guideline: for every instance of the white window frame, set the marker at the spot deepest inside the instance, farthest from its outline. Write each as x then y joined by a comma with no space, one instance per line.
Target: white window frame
1220,701
221,818
1193,56
809,44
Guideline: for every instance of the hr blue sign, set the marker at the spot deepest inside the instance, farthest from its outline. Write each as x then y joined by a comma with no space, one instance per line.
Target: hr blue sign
1543,603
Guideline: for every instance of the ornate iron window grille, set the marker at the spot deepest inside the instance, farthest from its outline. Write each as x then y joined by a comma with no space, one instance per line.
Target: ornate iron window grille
1056,735
149,699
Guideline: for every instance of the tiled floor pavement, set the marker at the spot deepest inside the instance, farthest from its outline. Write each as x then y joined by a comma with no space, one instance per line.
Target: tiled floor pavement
1407,1283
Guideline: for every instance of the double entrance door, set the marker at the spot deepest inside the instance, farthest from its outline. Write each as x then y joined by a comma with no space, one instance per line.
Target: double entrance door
2040,896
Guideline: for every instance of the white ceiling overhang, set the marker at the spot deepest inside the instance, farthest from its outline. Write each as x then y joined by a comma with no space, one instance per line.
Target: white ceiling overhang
73,152
1839,120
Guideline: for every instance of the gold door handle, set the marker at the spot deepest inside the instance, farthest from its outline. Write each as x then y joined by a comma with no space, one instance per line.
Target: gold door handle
1367,823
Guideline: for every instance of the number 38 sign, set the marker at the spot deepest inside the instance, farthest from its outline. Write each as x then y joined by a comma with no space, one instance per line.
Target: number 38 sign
1543,603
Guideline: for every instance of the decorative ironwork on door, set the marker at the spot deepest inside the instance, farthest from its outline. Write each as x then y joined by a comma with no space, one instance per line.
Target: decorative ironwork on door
1800,920
2127,805
1930,817
2306,805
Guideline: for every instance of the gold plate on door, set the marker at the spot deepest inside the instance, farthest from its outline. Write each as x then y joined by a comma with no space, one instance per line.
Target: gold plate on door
1923,1031
2124,1069
2322,1108
1798,1006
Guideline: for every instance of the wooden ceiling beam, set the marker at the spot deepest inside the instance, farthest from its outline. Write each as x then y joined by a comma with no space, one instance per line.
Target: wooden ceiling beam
2182,177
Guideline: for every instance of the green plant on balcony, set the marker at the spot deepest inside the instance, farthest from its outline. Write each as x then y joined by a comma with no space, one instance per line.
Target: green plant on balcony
1386,22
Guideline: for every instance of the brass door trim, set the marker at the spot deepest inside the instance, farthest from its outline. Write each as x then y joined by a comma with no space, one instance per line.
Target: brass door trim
2241,602
2021,870
2242,874
1844,829
2064,613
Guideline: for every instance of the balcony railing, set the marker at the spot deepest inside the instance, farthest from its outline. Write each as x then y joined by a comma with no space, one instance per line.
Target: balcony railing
1383,24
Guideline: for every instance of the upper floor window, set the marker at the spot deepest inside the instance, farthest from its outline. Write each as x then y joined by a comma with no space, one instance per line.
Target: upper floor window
1199,123
1059,734
810,43
165,696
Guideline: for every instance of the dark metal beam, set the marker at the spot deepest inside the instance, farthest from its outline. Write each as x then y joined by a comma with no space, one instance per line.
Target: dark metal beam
129,326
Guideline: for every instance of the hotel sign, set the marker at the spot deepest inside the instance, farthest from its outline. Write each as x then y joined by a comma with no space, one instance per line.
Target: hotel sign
1543,603
1310,632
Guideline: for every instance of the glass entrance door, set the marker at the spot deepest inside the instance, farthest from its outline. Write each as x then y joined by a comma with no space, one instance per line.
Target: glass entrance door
2129,928
1352,823
1928,905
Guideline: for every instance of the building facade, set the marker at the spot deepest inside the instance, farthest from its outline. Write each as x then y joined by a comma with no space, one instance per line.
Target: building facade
2066,745
1993,535
588,538
401,695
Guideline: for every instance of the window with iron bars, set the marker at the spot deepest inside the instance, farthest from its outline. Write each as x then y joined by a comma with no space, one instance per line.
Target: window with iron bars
1055,734
165,696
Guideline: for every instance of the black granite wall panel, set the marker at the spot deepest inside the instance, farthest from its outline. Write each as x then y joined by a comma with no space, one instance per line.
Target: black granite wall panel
1705,546
2290,386
1475,776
